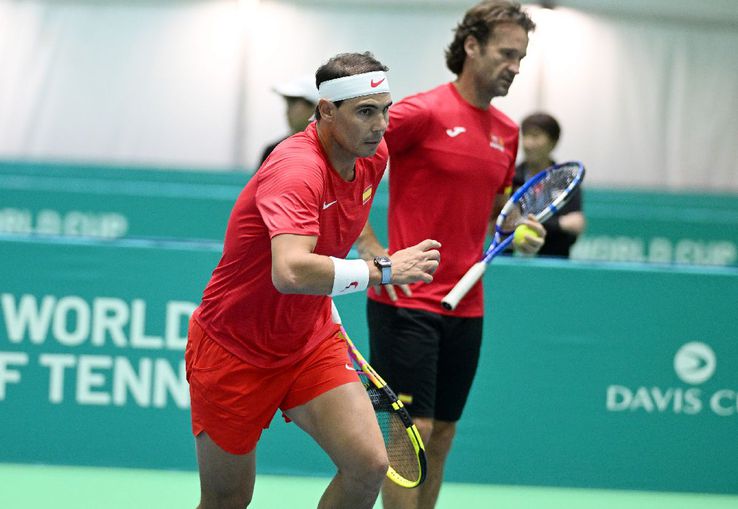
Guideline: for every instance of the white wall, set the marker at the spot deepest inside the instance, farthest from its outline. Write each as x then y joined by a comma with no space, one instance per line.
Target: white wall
122,83
645,91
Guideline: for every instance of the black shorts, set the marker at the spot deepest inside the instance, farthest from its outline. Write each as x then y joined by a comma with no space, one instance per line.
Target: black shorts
428,359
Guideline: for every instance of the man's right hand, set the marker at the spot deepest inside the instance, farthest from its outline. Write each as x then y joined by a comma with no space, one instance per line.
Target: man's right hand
416,263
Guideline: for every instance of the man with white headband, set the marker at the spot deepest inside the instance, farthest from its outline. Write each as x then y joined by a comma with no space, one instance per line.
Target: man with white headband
262,338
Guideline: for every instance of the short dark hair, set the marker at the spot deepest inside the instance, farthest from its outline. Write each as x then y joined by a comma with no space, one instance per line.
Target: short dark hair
544,122
346,64
479,22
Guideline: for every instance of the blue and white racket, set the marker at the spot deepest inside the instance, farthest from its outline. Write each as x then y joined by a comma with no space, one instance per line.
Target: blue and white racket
543,196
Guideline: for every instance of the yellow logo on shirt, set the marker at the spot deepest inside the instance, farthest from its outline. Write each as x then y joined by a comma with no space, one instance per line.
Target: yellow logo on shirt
367,195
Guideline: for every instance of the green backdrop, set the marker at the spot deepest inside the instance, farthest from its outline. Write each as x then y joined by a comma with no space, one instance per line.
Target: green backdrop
659,227
73,200
615,375
577,384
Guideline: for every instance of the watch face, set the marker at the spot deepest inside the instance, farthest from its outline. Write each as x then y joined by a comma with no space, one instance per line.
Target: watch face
383,261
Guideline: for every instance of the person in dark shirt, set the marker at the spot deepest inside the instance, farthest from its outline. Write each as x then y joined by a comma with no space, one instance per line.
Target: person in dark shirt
541,133
300,96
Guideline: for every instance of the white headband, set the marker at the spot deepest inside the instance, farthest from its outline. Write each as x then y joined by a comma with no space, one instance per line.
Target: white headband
358,85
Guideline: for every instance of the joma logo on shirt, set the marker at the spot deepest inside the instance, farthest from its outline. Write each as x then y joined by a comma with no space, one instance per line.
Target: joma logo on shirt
454,132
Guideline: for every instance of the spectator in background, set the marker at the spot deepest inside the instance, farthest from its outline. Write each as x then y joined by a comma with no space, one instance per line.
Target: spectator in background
541,133
300,96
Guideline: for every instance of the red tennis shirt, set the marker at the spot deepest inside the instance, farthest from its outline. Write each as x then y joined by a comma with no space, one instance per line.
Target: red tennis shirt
295,191
448,161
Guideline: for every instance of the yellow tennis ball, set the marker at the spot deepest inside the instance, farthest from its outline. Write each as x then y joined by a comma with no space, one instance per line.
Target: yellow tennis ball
520,233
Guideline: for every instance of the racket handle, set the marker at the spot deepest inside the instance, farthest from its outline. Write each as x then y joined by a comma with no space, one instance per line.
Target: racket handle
334,313
451,300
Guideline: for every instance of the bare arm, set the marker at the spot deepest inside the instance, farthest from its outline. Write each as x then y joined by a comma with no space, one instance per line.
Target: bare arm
500,201
368,244
296,269
573,222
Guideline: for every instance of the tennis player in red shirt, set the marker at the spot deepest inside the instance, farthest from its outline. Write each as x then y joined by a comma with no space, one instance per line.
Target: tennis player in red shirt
263,339
454,152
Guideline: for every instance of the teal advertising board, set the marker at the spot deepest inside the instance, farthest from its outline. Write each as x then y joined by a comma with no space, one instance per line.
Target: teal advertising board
92,337
104,202
110,203
660,228
592,375
611,376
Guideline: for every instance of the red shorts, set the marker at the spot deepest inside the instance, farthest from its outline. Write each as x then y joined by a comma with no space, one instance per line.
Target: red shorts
234,401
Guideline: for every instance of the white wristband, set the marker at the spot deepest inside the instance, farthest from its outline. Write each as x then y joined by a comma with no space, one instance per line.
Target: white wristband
349,276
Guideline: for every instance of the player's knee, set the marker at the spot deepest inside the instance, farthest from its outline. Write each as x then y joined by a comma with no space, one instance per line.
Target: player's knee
425,428
369,471
443,434
376,468
238,498
446,430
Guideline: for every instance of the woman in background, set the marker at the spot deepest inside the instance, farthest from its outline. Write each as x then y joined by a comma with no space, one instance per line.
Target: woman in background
541,133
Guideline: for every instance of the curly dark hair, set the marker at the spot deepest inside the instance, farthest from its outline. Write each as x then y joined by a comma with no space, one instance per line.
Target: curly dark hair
479,22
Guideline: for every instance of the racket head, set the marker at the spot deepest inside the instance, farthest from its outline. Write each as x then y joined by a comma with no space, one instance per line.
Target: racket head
407,461
542,195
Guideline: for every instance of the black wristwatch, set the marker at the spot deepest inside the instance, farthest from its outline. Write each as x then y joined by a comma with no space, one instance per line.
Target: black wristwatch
384,264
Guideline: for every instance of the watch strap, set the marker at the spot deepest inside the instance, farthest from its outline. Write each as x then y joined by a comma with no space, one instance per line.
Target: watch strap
384,264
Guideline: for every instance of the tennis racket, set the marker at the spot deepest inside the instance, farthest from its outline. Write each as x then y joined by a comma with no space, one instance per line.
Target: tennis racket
401,438
543,196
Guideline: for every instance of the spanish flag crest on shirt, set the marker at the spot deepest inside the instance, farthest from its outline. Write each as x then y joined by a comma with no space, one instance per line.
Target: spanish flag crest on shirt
497,142
367,195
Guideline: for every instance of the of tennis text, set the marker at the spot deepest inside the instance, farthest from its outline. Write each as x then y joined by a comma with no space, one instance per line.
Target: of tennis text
53,325
102,379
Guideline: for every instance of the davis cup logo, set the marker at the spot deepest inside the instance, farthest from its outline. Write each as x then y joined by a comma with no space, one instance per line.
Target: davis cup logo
694,363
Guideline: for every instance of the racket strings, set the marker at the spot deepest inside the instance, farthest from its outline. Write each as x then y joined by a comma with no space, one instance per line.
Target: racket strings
400,450
540,196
